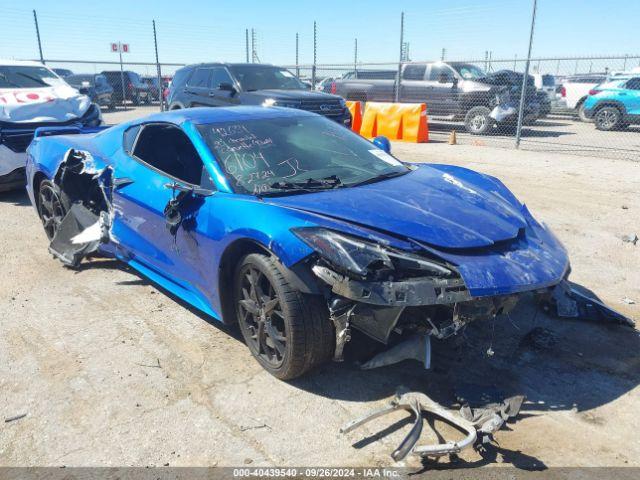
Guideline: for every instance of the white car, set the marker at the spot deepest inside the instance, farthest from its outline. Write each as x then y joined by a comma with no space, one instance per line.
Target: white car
32,96
575,90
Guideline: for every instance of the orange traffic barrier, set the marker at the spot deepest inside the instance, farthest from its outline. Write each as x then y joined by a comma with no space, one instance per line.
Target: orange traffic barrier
396,121
356,115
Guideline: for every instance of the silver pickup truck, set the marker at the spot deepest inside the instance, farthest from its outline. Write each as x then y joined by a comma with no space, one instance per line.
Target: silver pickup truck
454,91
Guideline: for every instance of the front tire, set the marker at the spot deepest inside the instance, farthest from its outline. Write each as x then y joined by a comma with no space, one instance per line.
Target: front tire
478,121
287,332
608,118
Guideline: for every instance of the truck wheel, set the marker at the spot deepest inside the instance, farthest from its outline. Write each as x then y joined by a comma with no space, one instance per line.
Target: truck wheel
287,332
478,120
608,118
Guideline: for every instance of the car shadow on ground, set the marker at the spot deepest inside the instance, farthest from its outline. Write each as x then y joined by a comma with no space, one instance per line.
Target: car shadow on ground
499,131
18,198
559,364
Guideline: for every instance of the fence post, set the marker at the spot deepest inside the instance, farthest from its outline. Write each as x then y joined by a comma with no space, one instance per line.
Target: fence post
297,55
525,77
399,74
315,51
246,44
124,94
35,19
443,53
160,89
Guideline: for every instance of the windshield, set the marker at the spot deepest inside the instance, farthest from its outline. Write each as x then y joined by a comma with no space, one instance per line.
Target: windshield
78,80
271,156
468,71
19,76
266,78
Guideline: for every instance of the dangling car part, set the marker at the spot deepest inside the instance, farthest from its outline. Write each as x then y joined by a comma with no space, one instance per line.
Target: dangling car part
477,424
291,226
33,96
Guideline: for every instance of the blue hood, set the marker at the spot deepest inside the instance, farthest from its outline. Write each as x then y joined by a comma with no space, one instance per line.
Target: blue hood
431,205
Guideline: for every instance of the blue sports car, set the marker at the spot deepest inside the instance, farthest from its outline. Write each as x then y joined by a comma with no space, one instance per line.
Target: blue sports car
291,226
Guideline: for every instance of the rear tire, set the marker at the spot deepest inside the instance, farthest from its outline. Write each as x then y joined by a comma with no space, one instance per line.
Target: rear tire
287,332
52,207
608,118
478,121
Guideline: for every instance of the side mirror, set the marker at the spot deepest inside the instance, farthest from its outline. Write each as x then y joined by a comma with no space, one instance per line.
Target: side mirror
195,191
227,87
382,143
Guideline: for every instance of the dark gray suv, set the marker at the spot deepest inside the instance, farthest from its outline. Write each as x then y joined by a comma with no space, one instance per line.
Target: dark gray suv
227,84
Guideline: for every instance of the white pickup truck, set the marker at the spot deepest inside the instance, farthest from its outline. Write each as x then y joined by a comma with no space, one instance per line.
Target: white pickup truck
575,90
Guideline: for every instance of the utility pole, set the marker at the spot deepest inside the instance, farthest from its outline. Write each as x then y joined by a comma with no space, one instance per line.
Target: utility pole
35,19
160,89
246,44
297,55
254,47
444,50
397,92
315,51
525,77
355,57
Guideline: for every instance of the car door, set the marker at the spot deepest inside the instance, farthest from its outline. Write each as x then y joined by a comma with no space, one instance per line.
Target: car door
160,226
197,88
631,96
445,92
222,88
414,88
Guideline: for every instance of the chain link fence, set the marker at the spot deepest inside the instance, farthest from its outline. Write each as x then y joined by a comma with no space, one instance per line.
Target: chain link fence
485,101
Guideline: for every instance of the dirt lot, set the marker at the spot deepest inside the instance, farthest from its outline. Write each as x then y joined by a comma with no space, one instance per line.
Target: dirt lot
111,371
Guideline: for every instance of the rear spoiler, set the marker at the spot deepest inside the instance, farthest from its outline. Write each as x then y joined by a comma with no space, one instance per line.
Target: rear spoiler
66,130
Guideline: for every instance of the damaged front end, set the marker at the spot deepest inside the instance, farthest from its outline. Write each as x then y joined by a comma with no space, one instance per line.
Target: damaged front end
77,211
380,291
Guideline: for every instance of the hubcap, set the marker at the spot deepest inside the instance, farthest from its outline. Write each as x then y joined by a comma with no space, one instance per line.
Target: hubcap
607,118
478,122
262,316
51,210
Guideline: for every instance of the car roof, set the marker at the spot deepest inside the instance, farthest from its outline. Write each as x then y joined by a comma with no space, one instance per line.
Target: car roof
229,64
209,115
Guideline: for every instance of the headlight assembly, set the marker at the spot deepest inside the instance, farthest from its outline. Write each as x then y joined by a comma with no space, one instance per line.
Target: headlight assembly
362,257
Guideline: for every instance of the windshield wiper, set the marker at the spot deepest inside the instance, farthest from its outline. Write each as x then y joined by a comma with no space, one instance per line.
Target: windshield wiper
309,185
377,178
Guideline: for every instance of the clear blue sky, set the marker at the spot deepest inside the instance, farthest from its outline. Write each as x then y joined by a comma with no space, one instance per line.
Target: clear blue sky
197,30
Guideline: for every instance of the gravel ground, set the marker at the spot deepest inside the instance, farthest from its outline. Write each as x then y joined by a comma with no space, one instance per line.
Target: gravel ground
111,371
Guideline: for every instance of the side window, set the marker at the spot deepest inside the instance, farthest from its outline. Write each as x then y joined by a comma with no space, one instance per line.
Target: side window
129,139
200,78
167,149
633,84
414,72
219,75
440,73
